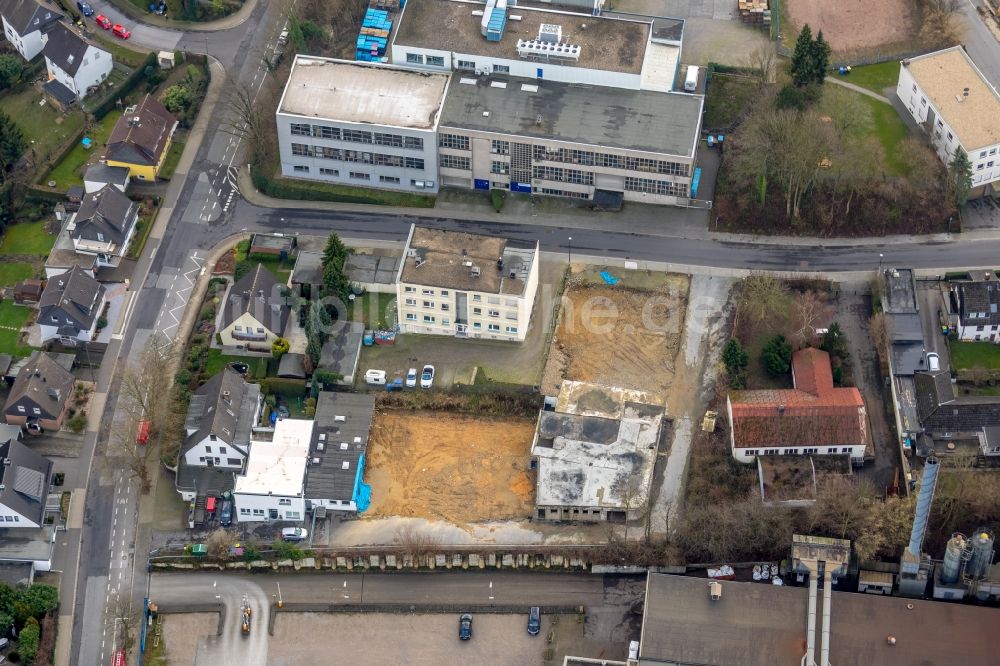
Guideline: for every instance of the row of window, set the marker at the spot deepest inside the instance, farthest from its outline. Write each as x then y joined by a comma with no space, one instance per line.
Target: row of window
455,141
357,156
609,160
470,65
454,162
446,307
212,460
11,519
793,452
564,175
563,193
492,328
357,136
420,59
476,298
666,187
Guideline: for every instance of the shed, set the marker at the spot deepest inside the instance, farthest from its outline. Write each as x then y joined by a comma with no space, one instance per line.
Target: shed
28,291
166,59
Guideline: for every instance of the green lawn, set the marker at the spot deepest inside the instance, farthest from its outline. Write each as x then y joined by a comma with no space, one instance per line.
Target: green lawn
216,361
120,52
975,355
890,130
725,98
44,128
69,172
27,238
372,308
873,77
882,123
173,157
12,320
13,273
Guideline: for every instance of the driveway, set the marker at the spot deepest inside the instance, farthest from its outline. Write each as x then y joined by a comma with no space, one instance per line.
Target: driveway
156,39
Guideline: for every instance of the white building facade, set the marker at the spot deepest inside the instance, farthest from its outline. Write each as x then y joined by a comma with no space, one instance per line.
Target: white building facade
272,488
947,94
25,23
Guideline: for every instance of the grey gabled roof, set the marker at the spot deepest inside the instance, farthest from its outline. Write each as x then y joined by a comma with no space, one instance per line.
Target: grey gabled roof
980,298
66,49
107,212
141,136
26,16
327,479
42,383
223,406
261,294
24,479
73,295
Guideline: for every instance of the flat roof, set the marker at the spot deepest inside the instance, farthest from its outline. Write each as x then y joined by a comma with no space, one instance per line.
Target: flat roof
449,25
946,76
901,291
644,120
363,93
344,440
597,442
438,258
755,624
278,466
372,268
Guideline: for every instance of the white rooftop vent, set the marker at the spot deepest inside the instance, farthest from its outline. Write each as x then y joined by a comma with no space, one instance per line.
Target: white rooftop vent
550,33
533,47
357,440
339,419
467,81
315,461
320,447
345,465
474,271
529,87
498,84
322,437
477,12
343,446
514,17
486,114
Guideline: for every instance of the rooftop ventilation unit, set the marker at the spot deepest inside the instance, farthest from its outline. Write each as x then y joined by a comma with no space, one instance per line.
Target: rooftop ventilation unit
315,461
345,465
550,33
339,419
343,446
533,47
474,271
320,447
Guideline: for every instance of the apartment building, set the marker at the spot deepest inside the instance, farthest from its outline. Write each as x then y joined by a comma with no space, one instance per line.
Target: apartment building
360,124
949,97
466,285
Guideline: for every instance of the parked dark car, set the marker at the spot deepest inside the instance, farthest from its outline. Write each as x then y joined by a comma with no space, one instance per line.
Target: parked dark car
465,627
534,621
226,513
84,8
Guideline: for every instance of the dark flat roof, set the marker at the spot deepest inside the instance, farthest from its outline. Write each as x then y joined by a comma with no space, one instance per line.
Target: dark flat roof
755,624
328,479
650,121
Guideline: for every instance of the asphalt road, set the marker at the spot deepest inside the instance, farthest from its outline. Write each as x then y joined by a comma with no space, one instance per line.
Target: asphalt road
980,43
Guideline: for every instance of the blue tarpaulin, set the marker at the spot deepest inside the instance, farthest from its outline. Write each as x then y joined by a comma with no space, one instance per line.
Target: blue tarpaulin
362,491
694,182
609,278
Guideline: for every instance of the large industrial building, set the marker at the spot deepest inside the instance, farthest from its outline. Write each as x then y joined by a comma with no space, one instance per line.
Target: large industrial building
480,97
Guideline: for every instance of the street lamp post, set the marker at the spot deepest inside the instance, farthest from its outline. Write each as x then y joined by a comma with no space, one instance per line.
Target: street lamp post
569,251
880,255
281,604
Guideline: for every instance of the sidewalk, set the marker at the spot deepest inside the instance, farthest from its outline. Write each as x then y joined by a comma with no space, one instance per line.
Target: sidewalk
639,219
858,89
149,18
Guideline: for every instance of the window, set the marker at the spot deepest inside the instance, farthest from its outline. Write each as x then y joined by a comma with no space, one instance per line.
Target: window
20,408
208,449
792,452
414,163
411,301
244,512
664,187
476,298
770,452
990,163
360,175
429,319
950,137
409,290
466,64
328,172
923,101
980,166
501,69
222,449
808,451
500,167
292,515
300,129
357,136
436,61
260,329
258,512
493,300
494,313
940,124
284,502
429,304
914,87
324,132
498,147
446,322
750,452
444,292
410,316
454,162
993,151
233,461
846,449
494,328
302,150
382,139
512,329
477,325
832,449
388,179
415,58
36,410
427,292
512,315
477,311
238,329
982,154
298,168
453,141
511,302
445,307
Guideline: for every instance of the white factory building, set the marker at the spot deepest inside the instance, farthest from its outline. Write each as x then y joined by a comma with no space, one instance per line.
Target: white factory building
490,97
948,95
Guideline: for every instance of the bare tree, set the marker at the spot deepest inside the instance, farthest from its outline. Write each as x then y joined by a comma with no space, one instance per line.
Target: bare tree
128,455
761,60
761,297
880,327
940,24
810,310
414,542
218,542
126,622
144,395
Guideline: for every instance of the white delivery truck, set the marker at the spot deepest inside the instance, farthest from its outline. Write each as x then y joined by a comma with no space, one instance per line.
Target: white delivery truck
691,81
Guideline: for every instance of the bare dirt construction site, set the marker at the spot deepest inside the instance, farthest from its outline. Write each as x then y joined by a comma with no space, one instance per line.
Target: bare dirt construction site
450,466
854,25
626,335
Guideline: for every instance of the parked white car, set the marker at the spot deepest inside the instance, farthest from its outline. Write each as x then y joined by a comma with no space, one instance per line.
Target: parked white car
375,377
294,533
411,377
427,377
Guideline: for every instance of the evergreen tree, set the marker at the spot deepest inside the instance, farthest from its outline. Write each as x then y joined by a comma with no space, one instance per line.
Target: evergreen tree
736,361
960,176
12,145
820,57
335,252
803,66
777,356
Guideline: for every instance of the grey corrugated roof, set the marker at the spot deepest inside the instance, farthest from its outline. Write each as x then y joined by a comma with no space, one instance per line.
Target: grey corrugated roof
66,49
107,212
26,16
42,383
261,294
328,480
24,480
223,406
643,120
73,295
63,94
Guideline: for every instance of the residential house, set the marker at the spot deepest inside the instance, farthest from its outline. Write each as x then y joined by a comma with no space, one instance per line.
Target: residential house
255,312
97,176
978,309
272,487
466,285
947,94
24,482
74,64
40,395
70,307
141,139
595,449
954,424
104,225
814,418
220,418
25,24
334,476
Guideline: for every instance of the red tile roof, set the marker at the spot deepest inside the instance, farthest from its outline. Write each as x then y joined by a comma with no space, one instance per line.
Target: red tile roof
814,413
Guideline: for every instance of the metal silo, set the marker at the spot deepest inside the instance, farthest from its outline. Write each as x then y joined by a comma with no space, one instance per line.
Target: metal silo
979,564
954,553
